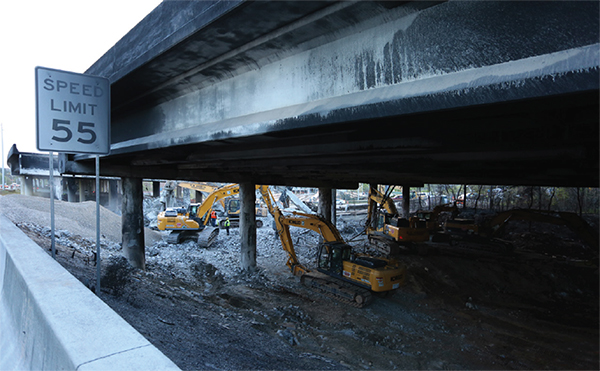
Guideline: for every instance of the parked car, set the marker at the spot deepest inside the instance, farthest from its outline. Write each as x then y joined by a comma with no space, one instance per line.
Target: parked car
341,205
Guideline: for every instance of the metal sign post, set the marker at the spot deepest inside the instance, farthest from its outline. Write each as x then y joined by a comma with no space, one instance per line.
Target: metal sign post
51,180
97,224
73,116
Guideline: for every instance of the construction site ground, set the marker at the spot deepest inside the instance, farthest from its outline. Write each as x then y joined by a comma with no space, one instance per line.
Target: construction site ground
535,309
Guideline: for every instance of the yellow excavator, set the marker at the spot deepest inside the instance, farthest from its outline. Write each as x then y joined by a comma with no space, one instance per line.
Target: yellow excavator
200,187
340,273
386,230
232,211
431,217
192,223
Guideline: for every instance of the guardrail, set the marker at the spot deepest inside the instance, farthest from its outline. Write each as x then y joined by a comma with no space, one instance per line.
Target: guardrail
50,321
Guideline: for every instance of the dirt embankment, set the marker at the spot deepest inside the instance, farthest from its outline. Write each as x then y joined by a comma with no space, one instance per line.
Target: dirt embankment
528,310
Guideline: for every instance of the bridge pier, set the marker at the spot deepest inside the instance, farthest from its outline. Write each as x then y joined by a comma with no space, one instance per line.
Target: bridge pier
71,184
81,191
132,222
198,197
406,201
27,185
248,227
334,206
113,195
372,206
325,203
156,189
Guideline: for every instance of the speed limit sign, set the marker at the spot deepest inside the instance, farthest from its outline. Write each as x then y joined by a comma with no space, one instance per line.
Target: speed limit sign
72,112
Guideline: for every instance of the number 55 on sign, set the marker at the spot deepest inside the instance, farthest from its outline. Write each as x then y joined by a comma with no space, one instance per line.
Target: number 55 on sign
72,111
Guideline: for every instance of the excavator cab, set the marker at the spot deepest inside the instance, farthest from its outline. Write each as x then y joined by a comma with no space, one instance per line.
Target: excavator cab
233,207
391,220
193,210
332,256
192,214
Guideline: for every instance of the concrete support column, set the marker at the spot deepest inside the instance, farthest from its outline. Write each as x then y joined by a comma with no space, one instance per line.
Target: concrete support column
325,203
284,199
185,195
156,189
27,185
81,191
334,206
373,207
132,222
406,201
71,189
248,227
113,195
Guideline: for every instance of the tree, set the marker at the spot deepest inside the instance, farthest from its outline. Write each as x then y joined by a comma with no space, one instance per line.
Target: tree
552,191
480,187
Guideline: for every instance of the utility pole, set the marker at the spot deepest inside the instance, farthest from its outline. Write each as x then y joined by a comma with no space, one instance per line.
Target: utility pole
2,140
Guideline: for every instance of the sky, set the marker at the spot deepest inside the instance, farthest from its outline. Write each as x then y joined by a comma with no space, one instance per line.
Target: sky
67,35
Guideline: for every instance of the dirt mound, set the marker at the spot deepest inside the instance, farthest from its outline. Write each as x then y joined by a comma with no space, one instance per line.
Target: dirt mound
77,218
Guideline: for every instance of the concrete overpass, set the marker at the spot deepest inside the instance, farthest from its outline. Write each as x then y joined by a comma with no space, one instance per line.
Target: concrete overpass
34,174
330,94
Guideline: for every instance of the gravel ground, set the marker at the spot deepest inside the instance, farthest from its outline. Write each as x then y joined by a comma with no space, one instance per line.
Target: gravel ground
528,311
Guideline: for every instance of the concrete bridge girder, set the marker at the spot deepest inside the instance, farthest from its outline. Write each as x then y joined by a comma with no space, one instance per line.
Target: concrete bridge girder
360,92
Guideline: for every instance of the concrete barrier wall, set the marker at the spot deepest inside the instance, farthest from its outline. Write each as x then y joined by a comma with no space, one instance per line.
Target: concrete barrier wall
50,321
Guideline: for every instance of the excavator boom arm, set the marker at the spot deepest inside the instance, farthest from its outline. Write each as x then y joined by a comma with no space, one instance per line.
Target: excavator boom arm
378,198
301,220
387,203
218,194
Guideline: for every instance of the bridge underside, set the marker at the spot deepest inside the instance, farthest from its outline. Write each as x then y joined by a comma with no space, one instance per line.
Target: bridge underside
332,94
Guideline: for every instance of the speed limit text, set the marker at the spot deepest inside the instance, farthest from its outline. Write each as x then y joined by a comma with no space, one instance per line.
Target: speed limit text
73,88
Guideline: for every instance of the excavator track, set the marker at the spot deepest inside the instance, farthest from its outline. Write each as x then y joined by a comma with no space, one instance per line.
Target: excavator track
343,291
384,245
174,237
204,238
207,236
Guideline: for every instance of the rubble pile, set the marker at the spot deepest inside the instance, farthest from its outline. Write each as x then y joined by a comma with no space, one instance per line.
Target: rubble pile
75,228
82,245
152,206
224,254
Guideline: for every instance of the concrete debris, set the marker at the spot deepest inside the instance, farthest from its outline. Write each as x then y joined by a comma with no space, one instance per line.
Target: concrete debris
288,336
204,312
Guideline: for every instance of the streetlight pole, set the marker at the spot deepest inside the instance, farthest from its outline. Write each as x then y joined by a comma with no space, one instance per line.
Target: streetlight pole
2,140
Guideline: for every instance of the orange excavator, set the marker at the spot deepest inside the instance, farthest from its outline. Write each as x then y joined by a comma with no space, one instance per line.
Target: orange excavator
387,230
340,273
192,223
432,217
